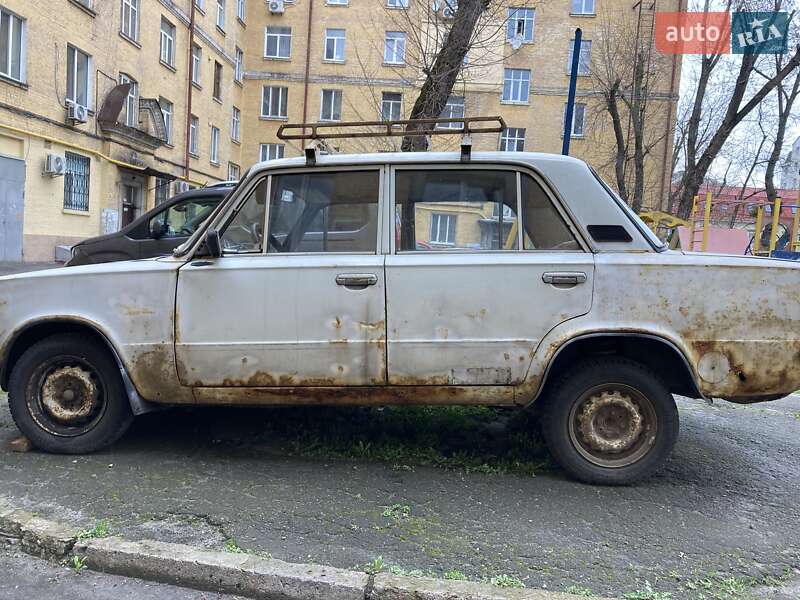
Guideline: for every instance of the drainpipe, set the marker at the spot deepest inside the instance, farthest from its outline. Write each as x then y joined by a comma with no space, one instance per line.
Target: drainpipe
308,60
189,89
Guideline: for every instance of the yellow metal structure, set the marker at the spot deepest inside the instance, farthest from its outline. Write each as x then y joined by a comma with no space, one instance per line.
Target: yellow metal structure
706,222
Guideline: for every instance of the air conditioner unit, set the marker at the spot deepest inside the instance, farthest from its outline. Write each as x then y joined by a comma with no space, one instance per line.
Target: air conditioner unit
54,165
181,187
276,7
77,113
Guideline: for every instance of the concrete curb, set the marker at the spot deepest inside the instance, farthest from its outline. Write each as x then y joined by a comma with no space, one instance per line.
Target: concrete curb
240,574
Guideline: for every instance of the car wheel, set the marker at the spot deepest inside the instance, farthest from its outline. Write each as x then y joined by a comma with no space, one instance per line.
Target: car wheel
66,395
610,421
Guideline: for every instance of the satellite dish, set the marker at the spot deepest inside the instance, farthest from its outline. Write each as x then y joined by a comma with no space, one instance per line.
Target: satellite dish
516,42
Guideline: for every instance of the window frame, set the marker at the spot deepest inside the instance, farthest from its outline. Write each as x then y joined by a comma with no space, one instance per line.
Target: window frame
131,105
216,135
509,71
337,42
87,175
220,18
167,43
238,65
555,201
216,88
583,12
16,20
266,147
512,17
236,124
333,94
241,10
72,95
587,45
169,117
448,107
279,36
134,13
194,136
572,134
514,139
197,64
392,103
283,94
395,37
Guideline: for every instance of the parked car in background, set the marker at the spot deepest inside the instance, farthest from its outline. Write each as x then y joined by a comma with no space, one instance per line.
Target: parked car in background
157,232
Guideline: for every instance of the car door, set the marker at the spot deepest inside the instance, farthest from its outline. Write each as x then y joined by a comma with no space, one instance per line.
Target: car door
303,305
484,264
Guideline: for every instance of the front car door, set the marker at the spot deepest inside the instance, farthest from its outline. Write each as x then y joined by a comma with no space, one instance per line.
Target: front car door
484,264
303,305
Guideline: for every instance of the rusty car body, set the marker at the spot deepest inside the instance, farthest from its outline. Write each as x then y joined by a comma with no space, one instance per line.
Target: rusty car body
388,305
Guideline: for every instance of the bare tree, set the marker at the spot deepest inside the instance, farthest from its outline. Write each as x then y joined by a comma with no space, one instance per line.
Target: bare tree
703,138
786,92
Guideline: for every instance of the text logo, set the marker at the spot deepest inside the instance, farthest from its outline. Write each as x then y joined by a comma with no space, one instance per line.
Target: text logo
721,32
759,32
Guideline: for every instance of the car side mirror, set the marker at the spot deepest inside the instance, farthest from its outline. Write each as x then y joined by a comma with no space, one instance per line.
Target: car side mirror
212,243
157,229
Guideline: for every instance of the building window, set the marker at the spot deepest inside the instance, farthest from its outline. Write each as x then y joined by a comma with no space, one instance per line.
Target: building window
236,125
167,43
221,14
334,45
166,111
443,229
76,182
520,24
201,4
217,81
331,105
12,46
129,22
394,48
234,172
194,132
130,110
278,42
78,78
516,85
391,105
337,2
241,12
162,190
238,65
197,63
582,7
272,151
273,102
397,3
454,109
578,120
215,145
584,60
512,139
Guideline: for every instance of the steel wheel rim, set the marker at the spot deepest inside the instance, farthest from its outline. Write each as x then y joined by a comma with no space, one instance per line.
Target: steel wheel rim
66,396
613,425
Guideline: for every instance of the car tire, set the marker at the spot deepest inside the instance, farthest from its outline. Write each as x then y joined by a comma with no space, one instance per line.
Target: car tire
66,395
610,421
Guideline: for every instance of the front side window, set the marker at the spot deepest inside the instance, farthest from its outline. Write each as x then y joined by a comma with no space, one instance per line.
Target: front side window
512,139
543,228
334,44
129,21
78,77
272,151
391,103
584,60
324,212
215,145
456,210
454,109
167,43
273,102
12,46
331,105
582,7
166,111
578,119
394,49
130,110
244,234
516,85
520,24
278,42
182,219
76,182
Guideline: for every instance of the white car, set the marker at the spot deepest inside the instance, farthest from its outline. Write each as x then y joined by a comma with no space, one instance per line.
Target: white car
513,279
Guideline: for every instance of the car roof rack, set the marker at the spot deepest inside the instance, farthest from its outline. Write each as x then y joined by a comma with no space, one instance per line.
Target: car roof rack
318,133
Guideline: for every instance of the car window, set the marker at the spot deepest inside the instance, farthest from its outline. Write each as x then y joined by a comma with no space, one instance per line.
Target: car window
456,210
181,219
244,234
543,227
324,212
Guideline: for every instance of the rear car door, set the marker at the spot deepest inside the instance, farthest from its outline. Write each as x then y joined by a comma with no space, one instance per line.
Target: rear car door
303,305
484,264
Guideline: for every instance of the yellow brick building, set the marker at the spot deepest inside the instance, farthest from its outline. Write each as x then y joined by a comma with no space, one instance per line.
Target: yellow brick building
208,100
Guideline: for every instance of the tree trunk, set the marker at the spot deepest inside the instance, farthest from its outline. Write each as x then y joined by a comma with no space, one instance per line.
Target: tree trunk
616,121
785,103
443,74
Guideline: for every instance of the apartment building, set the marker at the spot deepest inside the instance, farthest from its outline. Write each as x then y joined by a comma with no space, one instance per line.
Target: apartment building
109,107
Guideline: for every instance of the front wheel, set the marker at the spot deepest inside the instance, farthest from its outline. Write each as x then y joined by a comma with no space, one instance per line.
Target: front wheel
66,395
610,421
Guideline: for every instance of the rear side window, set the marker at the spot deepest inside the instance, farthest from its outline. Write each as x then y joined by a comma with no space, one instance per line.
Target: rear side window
544,229
456,210
324,212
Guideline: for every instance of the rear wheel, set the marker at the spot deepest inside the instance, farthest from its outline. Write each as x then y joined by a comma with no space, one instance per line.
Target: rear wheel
66,395
610,421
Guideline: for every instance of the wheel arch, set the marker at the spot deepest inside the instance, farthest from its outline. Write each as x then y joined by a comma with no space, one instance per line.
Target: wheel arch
656,352
27,335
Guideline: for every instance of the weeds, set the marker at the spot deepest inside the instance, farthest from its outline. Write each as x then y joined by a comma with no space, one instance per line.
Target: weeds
648,593
100,530
397,511
77,563
506,581
577,590
374,567
455,575
233,547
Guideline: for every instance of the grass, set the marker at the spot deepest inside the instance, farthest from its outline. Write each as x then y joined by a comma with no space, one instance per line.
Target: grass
505,581
647,593
577,590
77,563
455,575
233,547
472,439
100,530
397,511
720,587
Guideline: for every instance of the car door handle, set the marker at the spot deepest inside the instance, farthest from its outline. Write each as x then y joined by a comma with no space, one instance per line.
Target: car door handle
564,278
356,279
